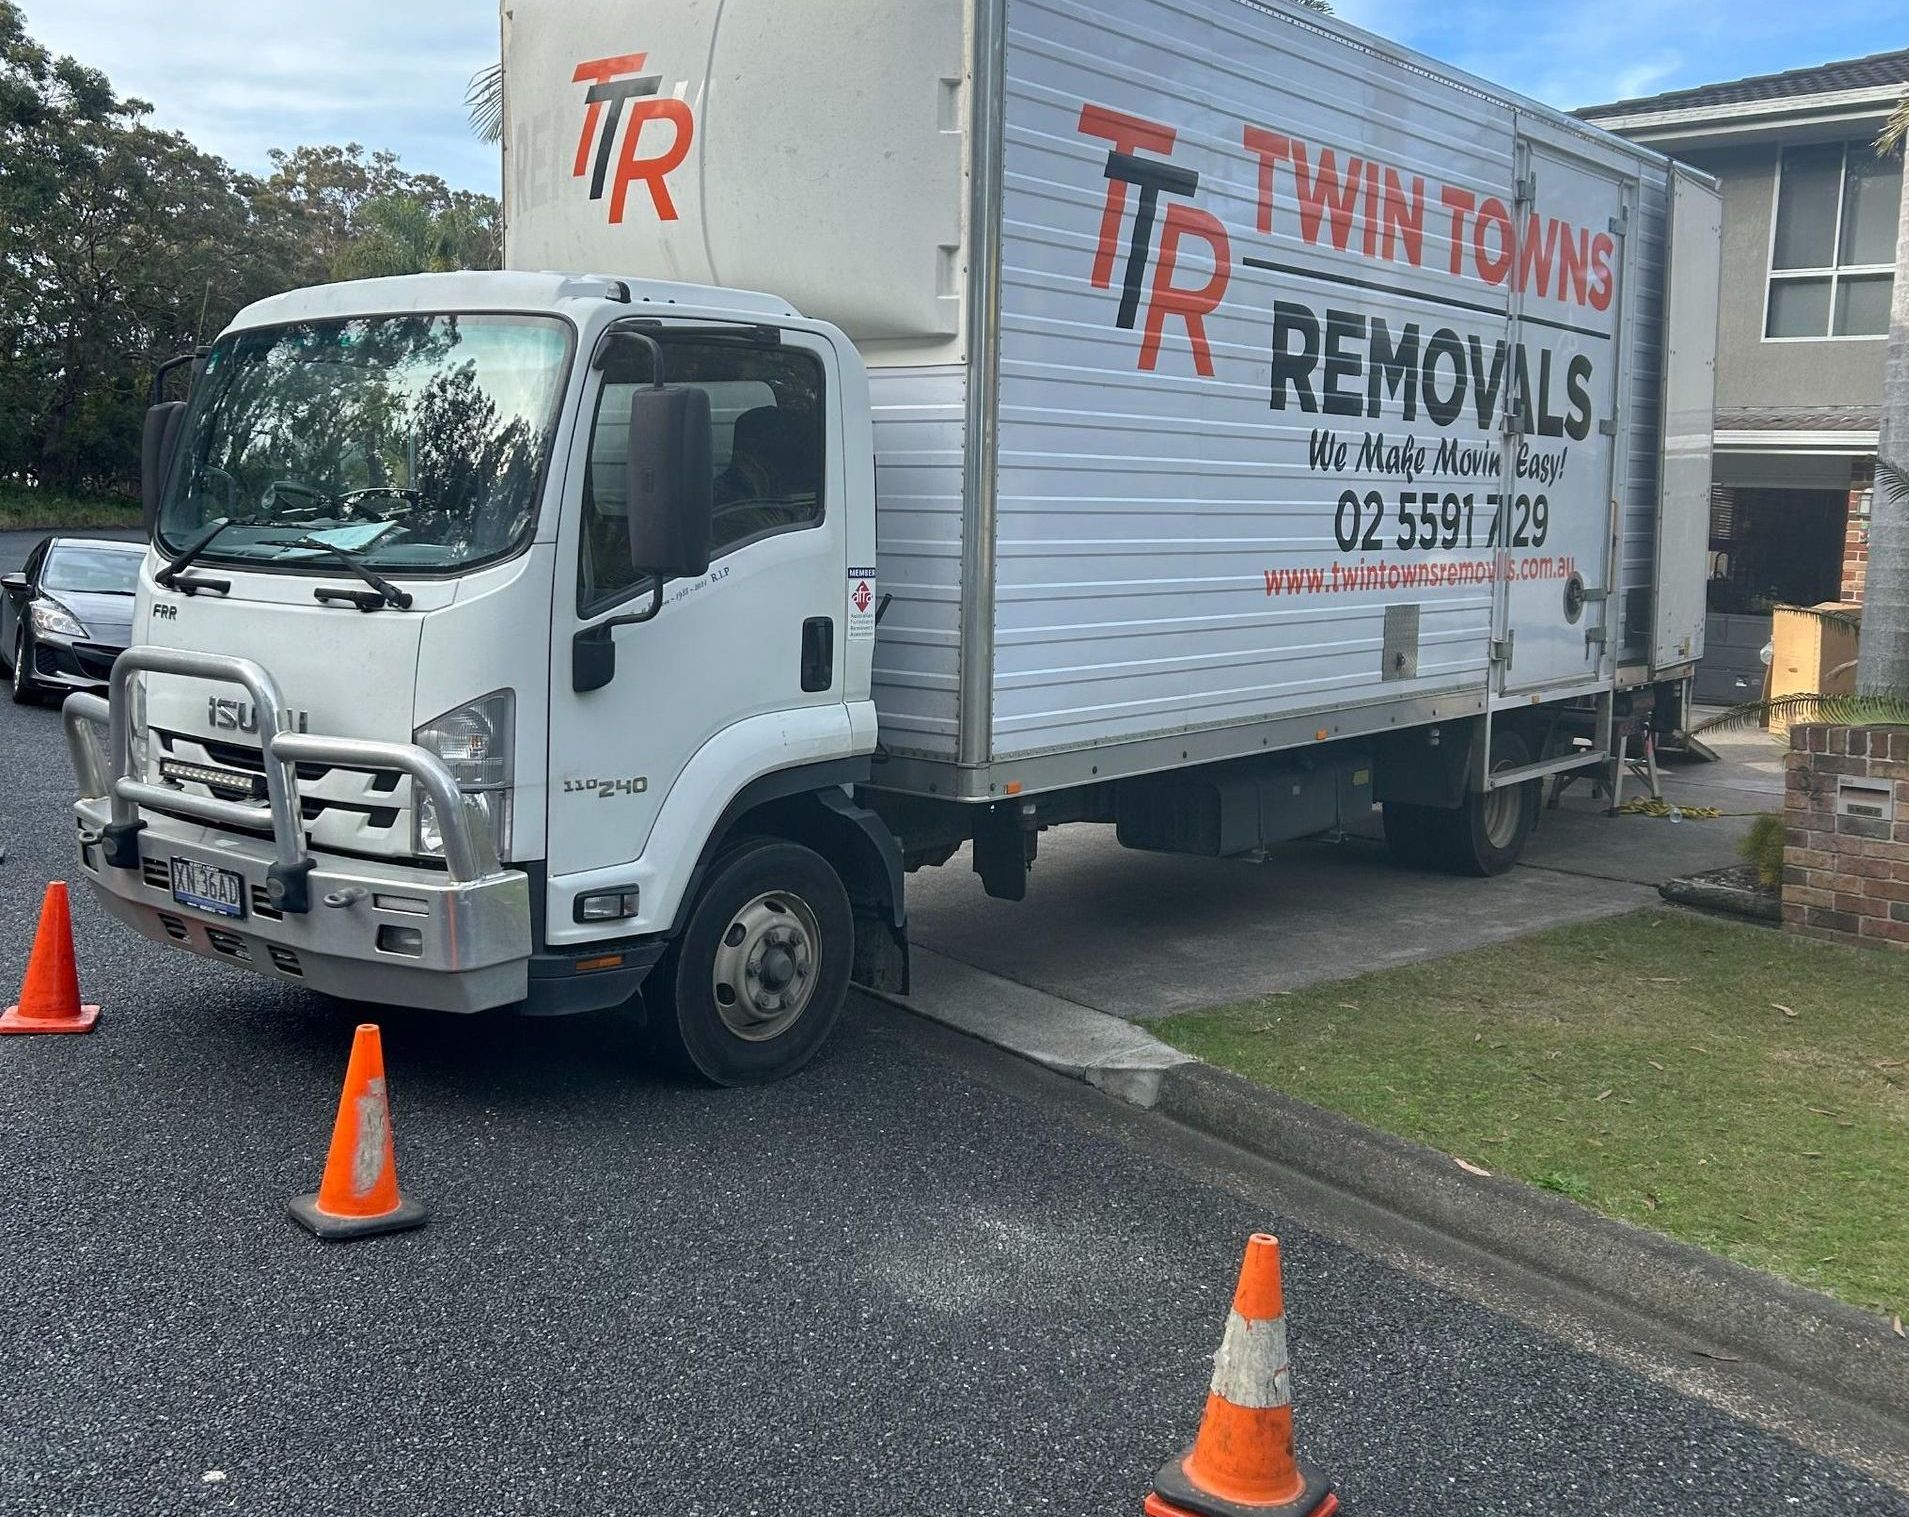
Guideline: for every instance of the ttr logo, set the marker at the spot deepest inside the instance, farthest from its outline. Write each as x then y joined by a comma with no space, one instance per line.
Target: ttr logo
1154,178
619,82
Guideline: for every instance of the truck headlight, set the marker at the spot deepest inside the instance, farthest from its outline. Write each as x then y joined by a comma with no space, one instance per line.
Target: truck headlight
51,619
476,742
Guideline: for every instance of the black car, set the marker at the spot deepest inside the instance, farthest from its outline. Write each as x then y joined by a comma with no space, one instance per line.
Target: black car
67,615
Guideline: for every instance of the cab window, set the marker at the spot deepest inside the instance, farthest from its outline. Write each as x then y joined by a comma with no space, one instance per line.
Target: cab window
766,454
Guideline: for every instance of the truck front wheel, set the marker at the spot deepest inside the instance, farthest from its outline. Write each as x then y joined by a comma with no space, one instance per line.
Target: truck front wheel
755,983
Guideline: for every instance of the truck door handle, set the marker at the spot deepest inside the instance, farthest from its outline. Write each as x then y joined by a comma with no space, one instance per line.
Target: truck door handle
818,653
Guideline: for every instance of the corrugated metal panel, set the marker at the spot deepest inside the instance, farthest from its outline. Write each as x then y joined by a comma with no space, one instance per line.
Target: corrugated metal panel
1643,417
1141,512
919,426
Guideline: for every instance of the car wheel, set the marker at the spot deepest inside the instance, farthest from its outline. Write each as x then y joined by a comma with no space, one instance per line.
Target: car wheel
756,982
25,692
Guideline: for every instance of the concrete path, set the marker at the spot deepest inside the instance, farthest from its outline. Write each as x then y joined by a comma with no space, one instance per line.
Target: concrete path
1145,935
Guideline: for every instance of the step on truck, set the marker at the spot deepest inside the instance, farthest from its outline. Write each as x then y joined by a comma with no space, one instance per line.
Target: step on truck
902,429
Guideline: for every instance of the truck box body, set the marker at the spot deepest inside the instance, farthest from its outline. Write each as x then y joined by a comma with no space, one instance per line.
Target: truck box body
1205,338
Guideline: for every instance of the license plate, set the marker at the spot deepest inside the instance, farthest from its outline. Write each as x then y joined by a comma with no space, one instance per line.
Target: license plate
208,887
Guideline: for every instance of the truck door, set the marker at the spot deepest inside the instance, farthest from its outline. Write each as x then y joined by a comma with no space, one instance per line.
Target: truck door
759,636
1556,601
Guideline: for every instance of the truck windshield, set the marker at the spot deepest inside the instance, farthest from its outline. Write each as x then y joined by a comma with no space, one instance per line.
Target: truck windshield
414,442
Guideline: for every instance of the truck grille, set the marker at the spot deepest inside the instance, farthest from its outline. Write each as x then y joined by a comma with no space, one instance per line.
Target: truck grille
351,809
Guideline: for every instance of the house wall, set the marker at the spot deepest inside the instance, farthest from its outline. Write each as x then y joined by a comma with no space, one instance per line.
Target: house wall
1752,373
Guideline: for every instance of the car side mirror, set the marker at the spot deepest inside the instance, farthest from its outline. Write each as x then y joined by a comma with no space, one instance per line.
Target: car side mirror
156,448
669,484
13,583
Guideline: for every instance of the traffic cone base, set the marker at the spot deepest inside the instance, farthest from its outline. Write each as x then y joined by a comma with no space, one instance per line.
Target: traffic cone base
1176,1496
409,1212
13,1019
50,993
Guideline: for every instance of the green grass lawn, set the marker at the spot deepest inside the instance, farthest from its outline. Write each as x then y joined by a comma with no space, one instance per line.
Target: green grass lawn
1731,1086
26,509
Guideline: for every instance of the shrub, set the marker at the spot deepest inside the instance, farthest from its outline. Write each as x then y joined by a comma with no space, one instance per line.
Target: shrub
1762,849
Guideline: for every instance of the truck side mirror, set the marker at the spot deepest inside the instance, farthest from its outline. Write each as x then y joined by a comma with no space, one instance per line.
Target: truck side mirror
156,447
670,486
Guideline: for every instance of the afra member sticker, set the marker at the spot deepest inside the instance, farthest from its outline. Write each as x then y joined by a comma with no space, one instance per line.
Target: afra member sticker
861,605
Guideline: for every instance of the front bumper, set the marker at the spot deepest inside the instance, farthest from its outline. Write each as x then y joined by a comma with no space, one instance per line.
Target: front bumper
451,939
72,663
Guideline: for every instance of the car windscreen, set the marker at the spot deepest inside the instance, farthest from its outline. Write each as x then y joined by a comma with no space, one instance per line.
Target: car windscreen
103,571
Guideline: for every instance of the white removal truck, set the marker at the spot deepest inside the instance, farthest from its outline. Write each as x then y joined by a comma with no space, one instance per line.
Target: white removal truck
1197,416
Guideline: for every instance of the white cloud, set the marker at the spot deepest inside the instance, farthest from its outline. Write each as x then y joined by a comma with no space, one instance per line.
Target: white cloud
240,77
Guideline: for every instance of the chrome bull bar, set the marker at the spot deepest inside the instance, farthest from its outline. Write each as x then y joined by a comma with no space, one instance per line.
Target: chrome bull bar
469,855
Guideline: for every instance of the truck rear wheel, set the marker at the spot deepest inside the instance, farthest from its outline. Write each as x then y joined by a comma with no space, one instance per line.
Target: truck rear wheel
1484,836
754,985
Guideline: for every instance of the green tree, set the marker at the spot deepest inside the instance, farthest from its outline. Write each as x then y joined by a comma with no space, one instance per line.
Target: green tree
121,245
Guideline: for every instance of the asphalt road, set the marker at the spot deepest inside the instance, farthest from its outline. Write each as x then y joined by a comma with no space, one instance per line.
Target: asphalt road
920,1278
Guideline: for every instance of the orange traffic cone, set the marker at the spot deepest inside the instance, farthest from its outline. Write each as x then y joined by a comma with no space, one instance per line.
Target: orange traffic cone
50,994
358,1196
1242,1463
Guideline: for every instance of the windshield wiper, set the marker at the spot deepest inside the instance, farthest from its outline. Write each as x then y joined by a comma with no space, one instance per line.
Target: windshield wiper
200,543
388,593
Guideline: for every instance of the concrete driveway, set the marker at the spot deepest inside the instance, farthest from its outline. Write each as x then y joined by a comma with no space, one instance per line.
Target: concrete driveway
1145,935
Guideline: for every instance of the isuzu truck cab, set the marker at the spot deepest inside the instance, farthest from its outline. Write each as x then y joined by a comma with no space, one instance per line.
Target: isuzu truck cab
1188,416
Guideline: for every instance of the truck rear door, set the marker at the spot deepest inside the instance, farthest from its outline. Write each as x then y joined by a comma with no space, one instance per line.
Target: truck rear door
1690,392
1554,618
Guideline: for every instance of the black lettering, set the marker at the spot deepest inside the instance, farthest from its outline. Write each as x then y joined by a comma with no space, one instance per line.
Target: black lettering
1341,325
1485,386
1549,423
1394,367
1294,367
1444,409
1577,385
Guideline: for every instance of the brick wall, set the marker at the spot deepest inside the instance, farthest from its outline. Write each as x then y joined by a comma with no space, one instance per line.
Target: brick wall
1856,536
1846,877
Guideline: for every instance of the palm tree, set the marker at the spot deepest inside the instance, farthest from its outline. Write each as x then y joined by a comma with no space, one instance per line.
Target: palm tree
485,101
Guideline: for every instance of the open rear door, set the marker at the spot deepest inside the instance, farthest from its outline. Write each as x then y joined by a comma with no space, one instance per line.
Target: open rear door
1690,393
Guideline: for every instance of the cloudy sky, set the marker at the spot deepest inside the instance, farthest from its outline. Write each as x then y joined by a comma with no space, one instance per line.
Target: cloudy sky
243,76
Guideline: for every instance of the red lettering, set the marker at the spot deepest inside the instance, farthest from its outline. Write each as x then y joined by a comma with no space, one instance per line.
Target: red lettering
1272,149
1603,284
1191,305
1404,217
1461,203
1128,134
1574,245
651,171
1371,209
597,71
1326,195
1492,268
1535,253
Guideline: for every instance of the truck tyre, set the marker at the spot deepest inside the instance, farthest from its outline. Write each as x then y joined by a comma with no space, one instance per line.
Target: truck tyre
755,983
1486,834
1408,832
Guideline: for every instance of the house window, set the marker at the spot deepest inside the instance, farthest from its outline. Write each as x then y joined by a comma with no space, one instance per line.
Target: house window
1834,248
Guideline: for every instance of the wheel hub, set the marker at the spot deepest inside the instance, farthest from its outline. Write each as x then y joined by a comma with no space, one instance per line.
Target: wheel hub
764,973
